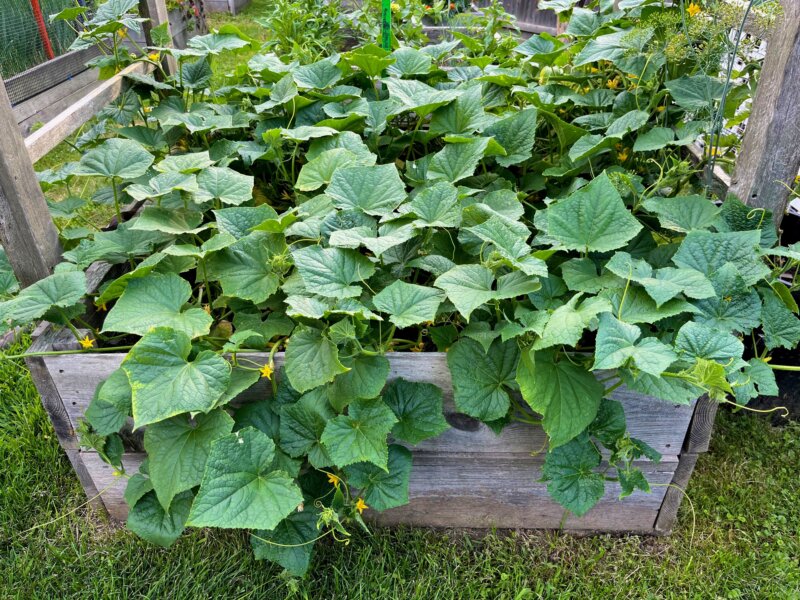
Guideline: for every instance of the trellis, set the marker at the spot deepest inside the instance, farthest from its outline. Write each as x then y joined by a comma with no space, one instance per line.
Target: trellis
763,177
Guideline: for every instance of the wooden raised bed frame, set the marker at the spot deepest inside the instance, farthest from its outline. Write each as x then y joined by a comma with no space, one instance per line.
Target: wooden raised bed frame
466,477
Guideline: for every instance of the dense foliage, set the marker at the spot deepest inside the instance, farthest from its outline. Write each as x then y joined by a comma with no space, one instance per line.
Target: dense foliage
533,219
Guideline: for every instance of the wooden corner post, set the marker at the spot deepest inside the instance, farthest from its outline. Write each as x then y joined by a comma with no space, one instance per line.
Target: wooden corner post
770,155
27,232
156,12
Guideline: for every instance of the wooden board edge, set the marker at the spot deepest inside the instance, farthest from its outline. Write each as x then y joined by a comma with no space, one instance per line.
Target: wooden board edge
48,137
698,436
668,513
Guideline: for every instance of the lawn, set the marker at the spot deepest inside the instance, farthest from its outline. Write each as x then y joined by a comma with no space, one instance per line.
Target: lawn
742,541
738,537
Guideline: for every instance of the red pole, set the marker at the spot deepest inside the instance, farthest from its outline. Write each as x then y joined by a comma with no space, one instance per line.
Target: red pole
37,14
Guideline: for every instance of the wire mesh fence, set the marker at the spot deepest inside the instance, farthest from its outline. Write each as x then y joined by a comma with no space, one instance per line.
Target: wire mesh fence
21,43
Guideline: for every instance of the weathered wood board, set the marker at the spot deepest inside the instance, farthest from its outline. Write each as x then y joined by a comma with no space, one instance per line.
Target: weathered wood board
467,477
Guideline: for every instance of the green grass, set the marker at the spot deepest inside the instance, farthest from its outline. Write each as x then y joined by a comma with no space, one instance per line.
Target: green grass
746,495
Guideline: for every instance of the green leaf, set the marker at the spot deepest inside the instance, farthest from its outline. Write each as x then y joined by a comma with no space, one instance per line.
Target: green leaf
588,146
59,290
195,75
418,407
467,287
708,252
319,170
138,486
214,43
567,322
225,185
157,301
383,490
670,389
695,92
365,379
168,220
481,379
238,221
436,205
630,121
609,424
311,359
116,157
408,304
654,139
371,59
111,404
375,190
781,327
409,61
565,394
165,383
330,272
190,162
317,76
695,340
617,342
418,97
570,473
301,427
683,213
245,268
457,160
593,218
360,435
465,116
240,488
178,449
163,184
290,544
735,307
151,522
639,307
516,134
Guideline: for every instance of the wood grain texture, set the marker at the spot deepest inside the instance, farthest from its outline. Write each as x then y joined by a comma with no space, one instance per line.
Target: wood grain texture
156,13
466,490
26,229
33,107
702,426
770,155
668,513
48,137
658,423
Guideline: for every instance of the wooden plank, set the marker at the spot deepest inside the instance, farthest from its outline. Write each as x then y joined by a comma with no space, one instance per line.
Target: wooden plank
41,77
660,424
467,490
770,156
36,104
698,436
26,229
668,513
157,14
48,137
82,86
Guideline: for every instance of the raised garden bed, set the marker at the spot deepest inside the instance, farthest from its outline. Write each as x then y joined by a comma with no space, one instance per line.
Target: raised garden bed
466,477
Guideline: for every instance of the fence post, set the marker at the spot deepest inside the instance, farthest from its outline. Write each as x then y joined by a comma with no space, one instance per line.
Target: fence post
157,13
26,229
770,154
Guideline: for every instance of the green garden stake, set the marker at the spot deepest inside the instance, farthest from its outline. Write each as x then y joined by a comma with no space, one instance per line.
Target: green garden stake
386,24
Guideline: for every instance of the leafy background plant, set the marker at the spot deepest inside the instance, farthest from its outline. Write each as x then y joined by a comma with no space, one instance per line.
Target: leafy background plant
534,219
